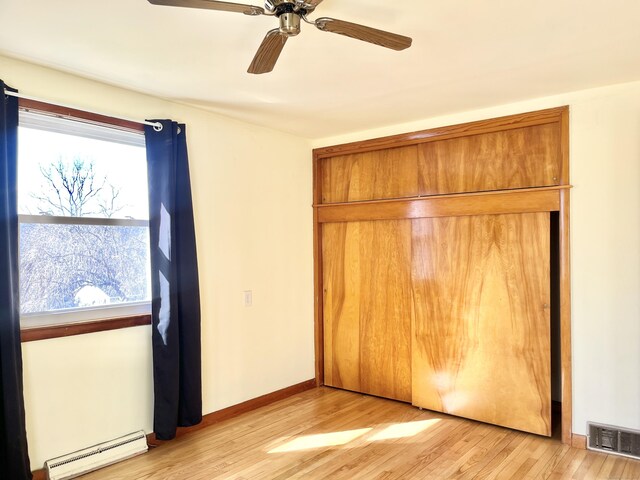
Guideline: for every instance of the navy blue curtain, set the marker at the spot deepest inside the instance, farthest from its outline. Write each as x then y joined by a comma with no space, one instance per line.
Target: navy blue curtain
176,334
14,459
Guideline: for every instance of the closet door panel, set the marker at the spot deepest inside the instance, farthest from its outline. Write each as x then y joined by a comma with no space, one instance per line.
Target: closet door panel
481,334
368,307
341,304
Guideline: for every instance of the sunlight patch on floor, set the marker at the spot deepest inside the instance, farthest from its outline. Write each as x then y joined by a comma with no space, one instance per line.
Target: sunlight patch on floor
321,440
403,430
339,439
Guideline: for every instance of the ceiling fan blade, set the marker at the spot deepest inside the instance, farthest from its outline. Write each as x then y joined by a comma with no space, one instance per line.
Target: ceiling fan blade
212,5
366,34
268,53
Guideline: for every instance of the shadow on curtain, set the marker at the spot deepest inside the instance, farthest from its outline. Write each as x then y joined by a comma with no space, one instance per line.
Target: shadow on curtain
14,459
177,374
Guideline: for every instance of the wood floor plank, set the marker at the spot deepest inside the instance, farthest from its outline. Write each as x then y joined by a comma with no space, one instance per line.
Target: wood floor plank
548,455
474,456
498,462
563,464
456,456
371,463
631,471
338,435
360,451
419,457
514,462
590,467
485,455
325,445
612,468
271,439
574,465
606,471
553,461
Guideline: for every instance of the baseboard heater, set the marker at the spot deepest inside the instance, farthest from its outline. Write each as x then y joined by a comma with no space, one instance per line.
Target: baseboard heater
92,458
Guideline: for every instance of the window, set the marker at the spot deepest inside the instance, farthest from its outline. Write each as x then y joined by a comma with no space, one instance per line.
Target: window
83,212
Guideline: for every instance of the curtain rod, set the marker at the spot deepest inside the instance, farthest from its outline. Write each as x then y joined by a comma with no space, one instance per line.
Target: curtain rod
157,126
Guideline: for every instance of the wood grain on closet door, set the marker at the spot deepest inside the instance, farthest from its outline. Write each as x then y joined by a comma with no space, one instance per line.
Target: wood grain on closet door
368,307
390,173
481,334
519,158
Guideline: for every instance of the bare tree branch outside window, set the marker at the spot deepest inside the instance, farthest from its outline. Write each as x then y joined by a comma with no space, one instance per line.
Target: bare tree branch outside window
67,266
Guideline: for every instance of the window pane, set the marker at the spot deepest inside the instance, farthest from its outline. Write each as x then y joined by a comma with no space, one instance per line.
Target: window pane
69,266
77,176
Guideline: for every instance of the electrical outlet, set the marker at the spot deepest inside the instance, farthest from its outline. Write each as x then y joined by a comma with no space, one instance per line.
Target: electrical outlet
248,298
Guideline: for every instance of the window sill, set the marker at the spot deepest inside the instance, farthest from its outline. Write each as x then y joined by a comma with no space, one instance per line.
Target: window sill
32,334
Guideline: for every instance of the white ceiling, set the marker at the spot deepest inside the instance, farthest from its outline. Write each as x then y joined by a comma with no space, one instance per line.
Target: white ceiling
465,55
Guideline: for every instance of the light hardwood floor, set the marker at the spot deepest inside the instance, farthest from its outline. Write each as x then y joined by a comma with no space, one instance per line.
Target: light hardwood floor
333,434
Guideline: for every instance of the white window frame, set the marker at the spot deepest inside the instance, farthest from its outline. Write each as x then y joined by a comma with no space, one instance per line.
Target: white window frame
47,121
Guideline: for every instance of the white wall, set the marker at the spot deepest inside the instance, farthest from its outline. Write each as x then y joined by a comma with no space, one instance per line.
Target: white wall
605,243
252,202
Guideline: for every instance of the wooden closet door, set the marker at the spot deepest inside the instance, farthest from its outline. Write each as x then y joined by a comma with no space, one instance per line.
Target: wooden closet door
481,334
368,307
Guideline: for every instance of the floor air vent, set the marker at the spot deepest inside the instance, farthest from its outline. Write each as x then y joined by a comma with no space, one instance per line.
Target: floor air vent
90,459
605,438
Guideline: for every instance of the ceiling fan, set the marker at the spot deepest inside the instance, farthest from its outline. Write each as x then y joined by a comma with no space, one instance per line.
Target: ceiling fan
290,13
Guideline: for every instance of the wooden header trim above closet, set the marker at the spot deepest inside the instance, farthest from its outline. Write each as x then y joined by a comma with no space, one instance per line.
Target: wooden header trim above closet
541,117
487,203
510,153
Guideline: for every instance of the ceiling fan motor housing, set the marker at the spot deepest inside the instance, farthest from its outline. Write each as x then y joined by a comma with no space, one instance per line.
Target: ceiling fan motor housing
290,24
289,13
